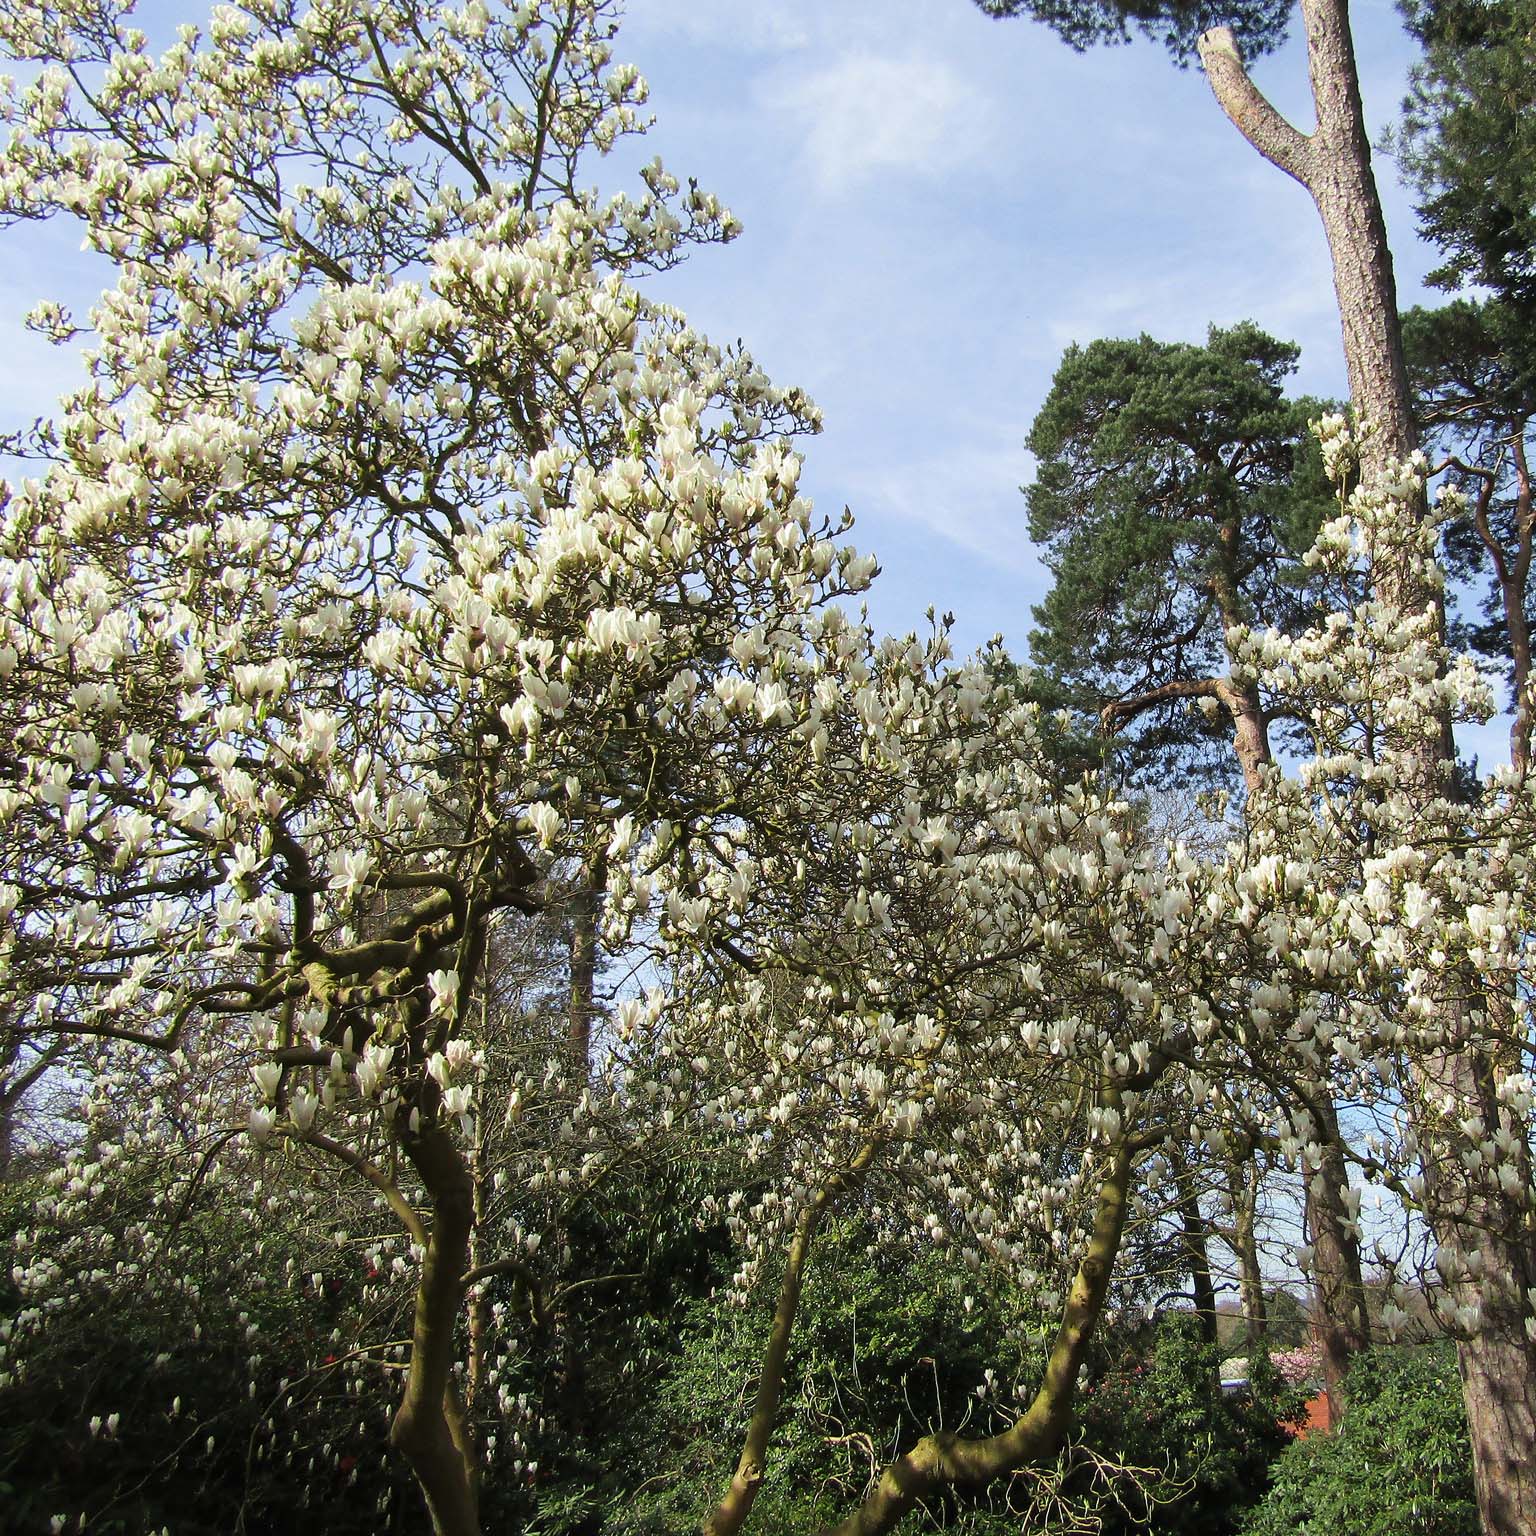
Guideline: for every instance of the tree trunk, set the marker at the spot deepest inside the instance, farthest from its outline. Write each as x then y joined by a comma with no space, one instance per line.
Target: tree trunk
1338,1284
1250,730
479,1309
1496,1367
1243,1185
15,1083
731,1513
943,1461
1498,1364
1195,1236
582,913
1344,188
1514,582
1469,1218
429,1428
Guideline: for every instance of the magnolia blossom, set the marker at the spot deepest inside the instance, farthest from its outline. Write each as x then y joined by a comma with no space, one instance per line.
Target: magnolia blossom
399,567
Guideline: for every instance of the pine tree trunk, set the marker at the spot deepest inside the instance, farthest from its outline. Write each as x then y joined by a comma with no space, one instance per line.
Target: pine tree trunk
1497,1358
1496,1367
1243,1184
582,912
1197,1255
1338,1284
1498,1363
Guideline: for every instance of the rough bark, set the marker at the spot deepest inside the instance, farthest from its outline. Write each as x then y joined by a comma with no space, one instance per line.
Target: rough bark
1498,1364
1195,1239
1334,164
1342,1319
1493,1365
1516,579
582,915
1243,1185
1250,728
1497,1359
942,1461
1250,731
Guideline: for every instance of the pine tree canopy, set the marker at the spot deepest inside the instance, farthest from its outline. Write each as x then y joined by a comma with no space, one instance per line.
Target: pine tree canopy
1176,488
1177,24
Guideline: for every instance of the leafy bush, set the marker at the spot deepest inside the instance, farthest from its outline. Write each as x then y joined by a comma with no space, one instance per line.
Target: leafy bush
190,1376
1205,1456
1399,1465
886,1349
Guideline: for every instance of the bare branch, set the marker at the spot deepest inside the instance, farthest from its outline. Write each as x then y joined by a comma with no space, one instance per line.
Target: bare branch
1250,112
1118,713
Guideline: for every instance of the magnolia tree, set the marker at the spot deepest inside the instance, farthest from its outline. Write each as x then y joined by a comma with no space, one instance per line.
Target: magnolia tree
392,549
1419,905
947,998
396,557
395,552
1033,1023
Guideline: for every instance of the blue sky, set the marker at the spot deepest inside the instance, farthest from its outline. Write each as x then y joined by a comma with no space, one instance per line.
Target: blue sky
935,205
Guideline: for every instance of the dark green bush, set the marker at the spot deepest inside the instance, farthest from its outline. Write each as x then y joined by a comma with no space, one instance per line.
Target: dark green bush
1203,1456
193,1380
1399,1465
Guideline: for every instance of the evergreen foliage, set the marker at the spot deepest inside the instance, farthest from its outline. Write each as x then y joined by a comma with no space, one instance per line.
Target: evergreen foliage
1472,365
1399,1465
1177,488
1160,1404
1467,143
1261,24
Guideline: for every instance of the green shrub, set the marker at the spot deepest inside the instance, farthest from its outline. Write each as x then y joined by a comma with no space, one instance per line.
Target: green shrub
190,1377
886,1350
1398,1465
1204,1456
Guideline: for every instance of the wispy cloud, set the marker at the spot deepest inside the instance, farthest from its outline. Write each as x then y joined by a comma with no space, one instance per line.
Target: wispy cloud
864,115
967,494
741,28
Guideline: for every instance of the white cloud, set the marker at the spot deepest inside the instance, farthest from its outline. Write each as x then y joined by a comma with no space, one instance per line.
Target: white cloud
968,496
864,114
1282,283
741,28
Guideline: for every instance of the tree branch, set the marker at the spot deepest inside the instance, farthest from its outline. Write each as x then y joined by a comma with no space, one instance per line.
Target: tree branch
376,1176
519,1271
1118,713
1250,113
940,1461
731,1513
